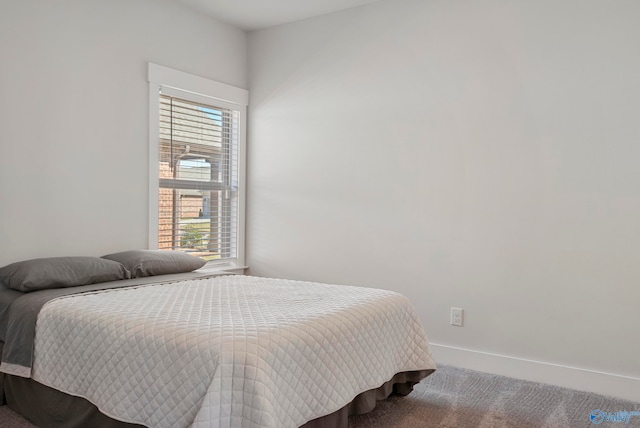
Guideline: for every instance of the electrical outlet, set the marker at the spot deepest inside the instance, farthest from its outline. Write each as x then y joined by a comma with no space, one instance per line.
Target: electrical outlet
456,316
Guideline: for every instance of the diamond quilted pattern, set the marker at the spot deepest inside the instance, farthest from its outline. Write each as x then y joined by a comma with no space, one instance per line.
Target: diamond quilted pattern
231,351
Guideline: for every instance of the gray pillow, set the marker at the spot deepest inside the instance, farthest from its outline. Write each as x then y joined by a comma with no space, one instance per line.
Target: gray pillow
156,262
60,272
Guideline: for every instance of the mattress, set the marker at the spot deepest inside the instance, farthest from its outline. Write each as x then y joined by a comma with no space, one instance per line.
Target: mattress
231,351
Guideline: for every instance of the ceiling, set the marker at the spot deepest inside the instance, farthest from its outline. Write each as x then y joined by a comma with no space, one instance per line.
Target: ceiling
257,14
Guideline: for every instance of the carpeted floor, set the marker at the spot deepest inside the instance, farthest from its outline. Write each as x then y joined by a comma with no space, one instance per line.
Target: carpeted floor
455,397
459,398
11,419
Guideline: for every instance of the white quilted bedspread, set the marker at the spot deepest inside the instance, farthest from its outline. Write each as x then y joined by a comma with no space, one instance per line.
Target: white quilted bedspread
231,351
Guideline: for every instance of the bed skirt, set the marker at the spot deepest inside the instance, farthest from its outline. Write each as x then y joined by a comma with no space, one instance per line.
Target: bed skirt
45,406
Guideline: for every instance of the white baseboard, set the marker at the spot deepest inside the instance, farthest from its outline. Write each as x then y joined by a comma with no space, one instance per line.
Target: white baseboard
610,384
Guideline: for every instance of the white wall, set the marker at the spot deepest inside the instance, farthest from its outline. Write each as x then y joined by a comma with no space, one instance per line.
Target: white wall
74,115
477,154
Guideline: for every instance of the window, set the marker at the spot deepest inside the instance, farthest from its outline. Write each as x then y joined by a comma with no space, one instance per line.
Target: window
197,166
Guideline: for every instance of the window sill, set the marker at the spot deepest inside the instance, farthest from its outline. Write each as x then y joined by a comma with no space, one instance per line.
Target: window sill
222,270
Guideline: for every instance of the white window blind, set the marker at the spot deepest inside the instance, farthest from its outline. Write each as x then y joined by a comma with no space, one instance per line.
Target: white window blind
198,178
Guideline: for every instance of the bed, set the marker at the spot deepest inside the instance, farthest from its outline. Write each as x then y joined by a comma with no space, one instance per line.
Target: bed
195,349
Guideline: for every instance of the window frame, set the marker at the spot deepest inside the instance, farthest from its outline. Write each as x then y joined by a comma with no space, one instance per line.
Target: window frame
195,88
